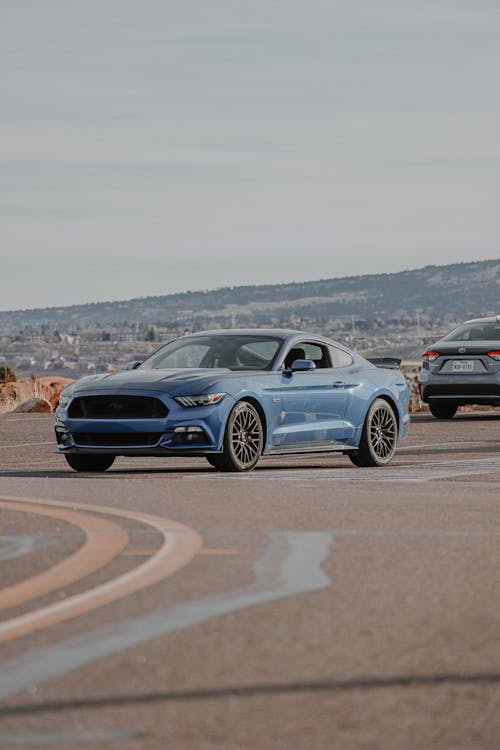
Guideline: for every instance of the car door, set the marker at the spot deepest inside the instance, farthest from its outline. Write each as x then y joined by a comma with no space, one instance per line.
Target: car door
312,404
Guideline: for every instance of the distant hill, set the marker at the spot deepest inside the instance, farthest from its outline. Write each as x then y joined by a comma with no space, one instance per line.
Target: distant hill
461,290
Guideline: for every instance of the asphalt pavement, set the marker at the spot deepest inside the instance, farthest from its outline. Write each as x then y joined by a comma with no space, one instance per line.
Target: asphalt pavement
307,605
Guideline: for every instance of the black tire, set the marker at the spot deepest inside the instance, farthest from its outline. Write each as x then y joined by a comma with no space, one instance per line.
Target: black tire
443,411
243,440
216,460
379,438
88,462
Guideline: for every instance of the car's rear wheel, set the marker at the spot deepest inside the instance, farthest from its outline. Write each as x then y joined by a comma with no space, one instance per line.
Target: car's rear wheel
379,437
243,440
443,411
89,463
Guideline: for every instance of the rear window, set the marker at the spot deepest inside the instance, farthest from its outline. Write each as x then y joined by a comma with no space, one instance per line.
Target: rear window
475,332
339,357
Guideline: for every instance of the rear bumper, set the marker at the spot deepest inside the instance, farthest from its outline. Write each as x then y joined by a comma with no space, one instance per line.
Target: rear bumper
460,389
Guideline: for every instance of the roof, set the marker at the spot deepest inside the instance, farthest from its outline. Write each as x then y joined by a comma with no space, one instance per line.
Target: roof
279,332
489,319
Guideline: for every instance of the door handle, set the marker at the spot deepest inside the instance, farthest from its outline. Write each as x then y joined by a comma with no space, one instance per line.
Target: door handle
338,384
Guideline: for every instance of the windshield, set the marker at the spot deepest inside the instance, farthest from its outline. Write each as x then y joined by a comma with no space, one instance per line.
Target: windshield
475,332
235,352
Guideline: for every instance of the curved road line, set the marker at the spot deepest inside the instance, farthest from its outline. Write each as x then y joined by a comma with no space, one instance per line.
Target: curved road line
291,565
104,541
180,545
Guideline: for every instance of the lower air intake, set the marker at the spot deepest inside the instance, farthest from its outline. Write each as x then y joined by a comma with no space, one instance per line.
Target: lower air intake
100,439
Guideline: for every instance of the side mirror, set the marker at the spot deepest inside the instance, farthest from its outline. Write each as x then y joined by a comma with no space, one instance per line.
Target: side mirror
133,365
302,365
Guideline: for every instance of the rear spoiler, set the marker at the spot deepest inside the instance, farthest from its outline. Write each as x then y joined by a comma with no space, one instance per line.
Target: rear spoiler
392,363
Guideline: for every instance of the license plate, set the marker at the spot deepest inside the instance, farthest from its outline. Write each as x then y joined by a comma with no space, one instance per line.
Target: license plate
463,365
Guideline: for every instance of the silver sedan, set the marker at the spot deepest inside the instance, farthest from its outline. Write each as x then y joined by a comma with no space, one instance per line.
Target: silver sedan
463,368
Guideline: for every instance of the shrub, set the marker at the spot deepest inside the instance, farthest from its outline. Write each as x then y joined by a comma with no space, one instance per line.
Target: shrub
7,374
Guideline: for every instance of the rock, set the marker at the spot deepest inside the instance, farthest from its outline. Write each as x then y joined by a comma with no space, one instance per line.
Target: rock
37,405
47,389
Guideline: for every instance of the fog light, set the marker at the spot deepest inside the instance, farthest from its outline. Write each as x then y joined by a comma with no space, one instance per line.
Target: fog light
189,434
63,437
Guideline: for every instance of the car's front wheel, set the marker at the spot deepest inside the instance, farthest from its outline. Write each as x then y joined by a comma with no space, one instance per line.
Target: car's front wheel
443,411
88,462
379,437
216,460
243,440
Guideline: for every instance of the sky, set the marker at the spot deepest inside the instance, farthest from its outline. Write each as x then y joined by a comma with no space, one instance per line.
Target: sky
157,146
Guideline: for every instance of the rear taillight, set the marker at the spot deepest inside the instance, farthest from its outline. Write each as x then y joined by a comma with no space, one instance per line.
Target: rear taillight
495,354
430,356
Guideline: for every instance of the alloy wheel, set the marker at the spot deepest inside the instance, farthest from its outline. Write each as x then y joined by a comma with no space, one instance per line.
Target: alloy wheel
246,435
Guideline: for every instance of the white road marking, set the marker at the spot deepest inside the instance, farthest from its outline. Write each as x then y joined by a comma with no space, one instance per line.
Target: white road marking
454,444
27,445
56,738
12,468
23,419
423,472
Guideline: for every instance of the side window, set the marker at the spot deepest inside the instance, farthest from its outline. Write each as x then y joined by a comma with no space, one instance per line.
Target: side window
318,354
308,350
340,358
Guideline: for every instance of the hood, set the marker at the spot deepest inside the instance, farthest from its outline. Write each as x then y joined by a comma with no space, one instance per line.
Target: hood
149,380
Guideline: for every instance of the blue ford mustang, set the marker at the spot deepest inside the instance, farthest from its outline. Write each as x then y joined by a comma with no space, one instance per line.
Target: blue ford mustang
234,395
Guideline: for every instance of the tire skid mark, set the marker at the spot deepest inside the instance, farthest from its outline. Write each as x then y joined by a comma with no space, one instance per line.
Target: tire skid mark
104,540
12,547
290,565
180,545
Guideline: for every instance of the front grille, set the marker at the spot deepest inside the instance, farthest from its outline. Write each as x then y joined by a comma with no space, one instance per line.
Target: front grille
117,407
116,438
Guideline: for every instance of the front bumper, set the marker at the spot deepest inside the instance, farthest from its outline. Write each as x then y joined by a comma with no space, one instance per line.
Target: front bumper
184,431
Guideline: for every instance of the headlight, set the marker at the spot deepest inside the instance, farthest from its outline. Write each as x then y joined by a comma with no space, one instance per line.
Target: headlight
206,399
64,400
